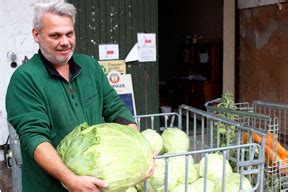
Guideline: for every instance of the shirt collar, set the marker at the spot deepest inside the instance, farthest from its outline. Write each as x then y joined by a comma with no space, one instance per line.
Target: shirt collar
73,66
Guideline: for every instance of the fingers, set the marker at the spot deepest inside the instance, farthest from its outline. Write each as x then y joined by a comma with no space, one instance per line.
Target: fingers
134,126
100,183
88,183
152,167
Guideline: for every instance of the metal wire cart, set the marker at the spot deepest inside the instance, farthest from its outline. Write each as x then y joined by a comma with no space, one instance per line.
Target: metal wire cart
248,159
268,117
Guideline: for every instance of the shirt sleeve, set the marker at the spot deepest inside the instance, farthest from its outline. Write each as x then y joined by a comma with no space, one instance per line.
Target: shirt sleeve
26,111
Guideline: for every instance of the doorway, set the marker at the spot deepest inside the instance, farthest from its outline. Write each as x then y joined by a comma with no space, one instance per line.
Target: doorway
190,51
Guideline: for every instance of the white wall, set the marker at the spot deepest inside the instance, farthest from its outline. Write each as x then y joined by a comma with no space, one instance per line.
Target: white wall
15,36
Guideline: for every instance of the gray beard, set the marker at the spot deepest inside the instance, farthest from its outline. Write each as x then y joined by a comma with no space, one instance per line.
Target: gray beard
54,59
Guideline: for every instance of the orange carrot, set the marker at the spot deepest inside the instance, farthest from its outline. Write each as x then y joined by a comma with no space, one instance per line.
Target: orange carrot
271,143
270,155
255,138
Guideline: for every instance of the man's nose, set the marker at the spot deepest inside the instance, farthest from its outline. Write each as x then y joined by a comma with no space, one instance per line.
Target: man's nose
64,40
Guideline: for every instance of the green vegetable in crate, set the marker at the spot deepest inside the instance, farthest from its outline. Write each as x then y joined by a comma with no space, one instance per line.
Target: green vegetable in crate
227,101
154,139
181,188
232,184
226,133
215,167
115,153
156,182
179,165
175,140
197,186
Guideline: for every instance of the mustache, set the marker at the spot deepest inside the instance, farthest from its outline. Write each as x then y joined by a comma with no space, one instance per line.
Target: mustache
64,47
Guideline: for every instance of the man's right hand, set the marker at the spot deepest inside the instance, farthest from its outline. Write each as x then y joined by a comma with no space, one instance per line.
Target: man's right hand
85,183
47,157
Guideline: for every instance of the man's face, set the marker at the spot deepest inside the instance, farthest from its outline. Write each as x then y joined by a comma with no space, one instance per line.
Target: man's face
56,39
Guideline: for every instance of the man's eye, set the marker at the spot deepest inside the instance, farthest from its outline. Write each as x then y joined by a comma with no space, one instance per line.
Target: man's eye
69,34
54,36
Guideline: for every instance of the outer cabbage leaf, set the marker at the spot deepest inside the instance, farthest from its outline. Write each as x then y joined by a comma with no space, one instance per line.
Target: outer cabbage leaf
131,189
115,153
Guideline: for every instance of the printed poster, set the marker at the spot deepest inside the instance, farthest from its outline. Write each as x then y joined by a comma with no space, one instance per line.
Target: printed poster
146,47
123,86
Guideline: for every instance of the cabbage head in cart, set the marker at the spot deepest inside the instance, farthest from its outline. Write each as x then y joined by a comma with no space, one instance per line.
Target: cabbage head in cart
156,183
115,153
232,184
197,186
179,166
154,139
175,140
215,167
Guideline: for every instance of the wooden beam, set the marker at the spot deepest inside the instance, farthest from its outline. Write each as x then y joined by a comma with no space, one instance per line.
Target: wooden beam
229,46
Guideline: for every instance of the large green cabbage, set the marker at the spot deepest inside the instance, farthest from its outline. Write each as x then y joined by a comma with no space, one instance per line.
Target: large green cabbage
156,183
115,153
175,140
179,165
154,139
214,167
197,186
232,184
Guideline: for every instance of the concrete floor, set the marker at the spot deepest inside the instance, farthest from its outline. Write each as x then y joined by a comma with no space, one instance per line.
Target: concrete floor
5,178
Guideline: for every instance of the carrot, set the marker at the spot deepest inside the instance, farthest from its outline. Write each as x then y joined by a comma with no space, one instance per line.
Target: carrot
271,141
245,137
255,138
270,155
270,144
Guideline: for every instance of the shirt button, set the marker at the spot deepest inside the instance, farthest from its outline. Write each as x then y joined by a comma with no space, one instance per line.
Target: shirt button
76,104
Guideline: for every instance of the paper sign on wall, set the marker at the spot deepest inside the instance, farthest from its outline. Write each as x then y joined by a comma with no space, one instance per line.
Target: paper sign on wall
133,54
108,51
123,86
113,65
146,47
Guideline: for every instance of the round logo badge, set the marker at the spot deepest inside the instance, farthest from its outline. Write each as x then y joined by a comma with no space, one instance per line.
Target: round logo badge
114,77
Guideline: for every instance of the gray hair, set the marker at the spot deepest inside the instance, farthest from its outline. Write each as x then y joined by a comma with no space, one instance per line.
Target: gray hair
58,7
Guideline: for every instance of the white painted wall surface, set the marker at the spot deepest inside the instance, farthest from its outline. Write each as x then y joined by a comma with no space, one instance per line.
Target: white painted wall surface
15,36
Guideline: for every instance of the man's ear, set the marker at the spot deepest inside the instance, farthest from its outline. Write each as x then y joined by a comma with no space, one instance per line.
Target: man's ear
35,34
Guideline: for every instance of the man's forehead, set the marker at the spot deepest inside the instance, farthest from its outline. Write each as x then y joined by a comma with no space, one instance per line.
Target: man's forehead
57,23
56,19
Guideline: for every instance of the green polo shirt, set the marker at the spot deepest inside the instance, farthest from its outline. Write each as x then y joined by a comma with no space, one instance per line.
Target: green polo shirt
43,106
